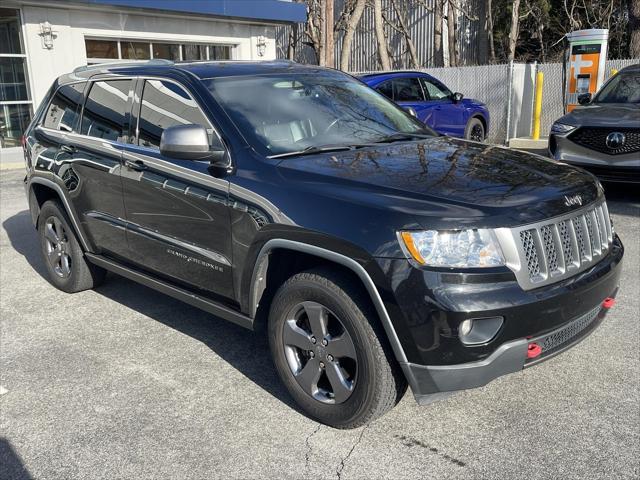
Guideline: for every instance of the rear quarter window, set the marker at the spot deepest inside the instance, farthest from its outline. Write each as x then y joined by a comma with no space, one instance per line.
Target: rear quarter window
64,109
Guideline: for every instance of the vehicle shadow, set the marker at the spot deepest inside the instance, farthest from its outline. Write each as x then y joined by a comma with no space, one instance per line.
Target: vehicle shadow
11,465
246,351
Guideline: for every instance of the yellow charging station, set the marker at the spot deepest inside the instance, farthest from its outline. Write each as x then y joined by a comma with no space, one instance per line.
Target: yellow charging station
585,64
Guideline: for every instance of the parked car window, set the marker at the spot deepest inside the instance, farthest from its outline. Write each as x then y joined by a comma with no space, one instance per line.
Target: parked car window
286,113
386,88
166,104
435,90
623,88
407,90
64,108
105,110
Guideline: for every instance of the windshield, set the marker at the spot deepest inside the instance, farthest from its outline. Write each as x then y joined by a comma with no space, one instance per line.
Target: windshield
623,88
285,113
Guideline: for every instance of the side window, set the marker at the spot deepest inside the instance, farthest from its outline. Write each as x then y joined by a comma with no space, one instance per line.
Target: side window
386,88
407,90
105,110
64,108
164,105
435,90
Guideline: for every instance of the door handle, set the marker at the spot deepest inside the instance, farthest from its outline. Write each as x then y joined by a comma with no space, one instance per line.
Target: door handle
137,165
70,149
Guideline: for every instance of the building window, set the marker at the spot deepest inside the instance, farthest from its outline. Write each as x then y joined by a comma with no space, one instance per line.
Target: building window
16,107
103,50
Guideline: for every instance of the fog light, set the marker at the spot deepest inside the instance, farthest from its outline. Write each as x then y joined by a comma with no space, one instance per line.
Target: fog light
476,331
465,327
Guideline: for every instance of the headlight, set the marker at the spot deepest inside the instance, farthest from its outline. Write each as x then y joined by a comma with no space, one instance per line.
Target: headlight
465,248
561,128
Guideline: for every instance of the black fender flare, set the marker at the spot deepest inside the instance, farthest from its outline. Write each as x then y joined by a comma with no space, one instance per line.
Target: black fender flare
66,204
280,243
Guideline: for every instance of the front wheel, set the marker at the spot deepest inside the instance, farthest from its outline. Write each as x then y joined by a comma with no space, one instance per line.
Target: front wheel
475,130
330,350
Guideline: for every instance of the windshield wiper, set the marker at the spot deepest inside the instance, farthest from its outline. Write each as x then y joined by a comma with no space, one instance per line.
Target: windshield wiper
313,149
396,137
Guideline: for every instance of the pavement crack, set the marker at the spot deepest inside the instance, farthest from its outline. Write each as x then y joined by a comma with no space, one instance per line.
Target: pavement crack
353,447
307,457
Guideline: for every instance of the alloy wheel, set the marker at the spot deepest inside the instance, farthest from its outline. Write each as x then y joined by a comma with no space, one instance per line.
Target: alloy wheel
320,352
57,247
477,133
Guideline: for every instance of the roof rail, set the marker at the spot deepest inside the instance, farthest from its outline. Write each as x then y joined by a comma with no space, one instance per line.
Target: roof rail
125,63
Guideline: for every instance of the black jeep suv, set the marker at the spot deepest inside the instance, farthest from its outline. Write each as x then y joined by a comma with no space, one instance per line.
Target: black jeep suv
298,202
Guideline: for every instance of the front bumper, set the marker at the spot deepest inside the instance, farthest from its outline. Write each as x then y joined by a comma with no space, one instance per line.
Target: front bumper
428,383
430,306
612,168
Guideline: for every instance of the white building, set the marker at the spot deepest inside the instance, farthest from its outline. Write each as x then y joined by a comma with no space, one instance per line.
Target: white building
40,40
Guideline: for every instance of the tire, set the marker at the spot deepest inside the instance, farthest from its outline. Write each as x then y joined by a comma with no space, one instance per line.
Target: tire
370,384
475,130
66,264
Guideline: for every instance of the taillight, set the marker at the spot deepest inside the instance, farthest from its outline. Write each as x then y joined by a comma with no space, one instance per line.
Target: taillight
23,141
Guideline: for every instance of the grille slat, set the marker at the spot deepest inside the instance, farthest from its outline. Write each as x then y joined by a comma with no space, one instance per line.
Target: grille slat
552,250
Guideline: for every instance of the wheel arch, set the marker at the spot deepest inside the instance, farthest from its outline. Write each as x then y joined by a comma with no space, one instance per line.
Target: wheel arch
42,190
262,285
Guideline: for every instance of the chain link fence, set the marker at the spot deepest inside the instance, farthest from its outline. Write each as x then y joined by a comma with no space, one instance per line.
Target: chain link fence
508,92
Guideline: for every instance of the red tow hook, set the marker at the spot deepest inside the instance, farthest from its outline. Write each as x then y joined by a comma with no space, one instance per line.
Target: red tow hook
608,302
533,350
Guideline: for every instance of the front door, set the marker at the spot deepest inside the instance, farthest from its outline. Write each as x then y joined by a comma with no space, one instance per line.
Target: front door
448,117
177,215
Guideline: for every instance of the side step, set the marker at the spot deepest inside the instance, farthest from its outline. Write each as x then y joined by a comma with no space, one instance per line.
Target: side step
173,291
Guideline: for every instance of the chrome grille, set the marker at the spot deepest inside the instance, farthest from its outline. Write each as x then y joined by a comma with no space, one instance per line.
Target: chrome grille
555,249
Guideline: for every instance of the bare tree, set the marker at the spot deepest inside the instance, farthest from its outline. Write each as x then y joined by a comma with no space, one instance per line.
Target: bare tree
402,26
489,27
313,29
328,33
351,24
634,29
381,39
451,31
514,31
437,34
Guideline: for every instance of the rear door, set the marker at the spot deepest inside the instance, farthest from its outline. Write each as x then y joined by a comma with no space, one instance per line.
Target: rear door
88,158
448,117
178,219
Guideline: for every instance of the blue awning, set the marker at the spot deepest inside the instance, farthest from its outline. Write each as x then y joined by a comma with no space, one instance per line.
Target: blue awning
269,10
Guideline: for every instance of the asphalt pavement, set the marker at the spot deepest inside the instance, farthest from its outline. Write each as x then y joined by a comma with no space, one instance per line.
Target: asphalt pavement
124,382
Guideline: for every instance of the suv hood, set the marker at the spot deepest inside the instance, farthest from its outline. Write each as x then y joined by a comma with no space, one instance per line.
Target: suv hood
447,180
604,115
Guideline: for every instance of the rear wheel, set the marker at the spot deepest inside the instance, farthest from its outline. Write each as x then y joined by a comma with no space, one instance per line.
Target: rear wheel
67,266
330,351
475,130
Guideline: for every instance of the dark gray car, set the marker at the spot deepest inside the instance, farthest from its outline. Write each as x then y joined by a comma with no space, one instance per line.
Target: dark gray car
603,134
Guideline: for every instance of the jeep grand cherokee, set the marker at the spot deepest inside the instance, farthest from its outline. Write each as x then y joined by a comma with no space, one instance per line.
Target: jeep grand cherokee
298,202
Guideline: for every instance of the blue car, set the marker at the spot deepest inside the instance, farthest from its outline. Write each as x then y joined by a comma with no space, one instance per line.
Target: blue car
434,104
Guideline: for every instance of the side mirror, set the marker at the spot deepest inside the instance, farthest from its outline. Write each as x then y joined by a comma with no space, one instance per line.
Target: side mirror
457,97
584,98
411,111
190,142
